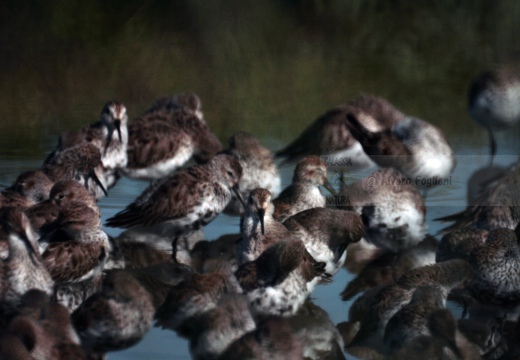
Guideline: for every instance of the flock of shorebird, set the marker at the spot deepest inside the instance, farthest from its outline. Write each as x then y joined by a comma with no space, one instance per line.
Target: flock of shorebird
70,291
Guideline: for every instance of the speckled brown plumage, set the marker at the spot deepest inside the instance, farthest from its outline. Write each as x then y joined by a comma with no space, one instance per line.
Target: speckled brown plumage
21,266
195,295
117,317
273,339
186,200
259,169
330,134
29,188
326,234
387,301
258,228
281,278
165,138
75,247
77,163
497,269
303,193
496,208
412,146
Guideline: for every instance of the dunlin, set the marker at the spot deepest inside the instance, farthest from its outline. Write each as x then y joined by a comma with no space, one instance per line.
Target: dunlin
272,339
29,188
376,273
78,163
185,201
412,319
41,215
442,325
389,267
77,248
109,135
258,228
115,318
326,234
481,179
223,248
387,301
497,269
496,208
213,331
195,295
258,169
459,244
45,213
329,135
53,317
27,338
304,192
419,255
391,208
142,254
113,117
279,281
494,100
21,268
444,341
158,279
162,140
486,336
67,191
317,333
414,147
440,345
188,101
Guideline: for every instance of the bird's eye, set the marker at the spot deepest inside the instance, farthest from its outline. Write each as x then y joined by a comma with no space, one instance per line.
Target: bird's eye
230,173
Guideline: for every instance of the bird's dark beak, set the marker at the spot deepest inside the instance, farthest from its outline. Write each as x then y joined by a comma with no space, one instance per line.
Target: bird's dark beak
261,214
236,189
94,177
117,123
108,141
327,185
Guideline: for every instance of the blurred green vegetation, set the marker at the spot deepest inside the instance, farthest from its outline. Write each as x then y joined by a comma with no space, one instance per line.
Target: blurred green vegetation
269,67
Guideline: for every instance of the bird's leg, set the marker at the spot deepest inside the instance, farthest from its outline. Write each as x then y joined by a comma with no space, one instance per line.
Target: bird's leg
492,145
174,249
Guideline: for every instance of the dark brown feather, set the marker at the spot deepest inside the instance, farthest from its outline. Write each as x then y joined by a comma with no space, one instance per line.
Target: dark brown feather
67,261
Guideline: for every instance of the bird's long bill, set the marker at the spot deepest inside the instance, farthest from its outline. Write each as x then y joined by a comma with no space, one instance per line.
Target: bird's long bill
327,185
261,214
94,177
117,123
237,193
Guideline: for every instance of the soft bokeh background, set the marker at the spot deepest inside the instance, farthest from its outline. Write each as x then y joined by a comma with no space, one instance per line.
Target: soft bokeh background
268,67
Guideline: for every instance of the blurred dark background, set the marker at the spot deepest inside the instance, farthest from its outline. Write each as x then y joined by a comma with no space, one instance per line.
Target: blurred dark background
269,67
